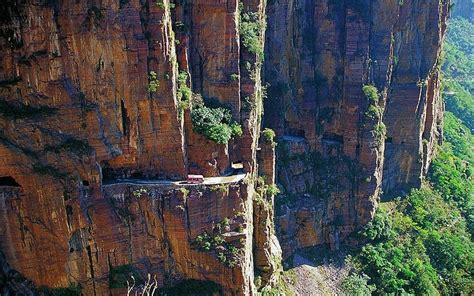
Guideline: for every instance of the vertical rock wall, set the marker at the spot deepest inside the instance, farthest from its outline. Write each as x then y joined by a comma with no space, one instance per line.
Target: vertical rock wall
77,113
334,157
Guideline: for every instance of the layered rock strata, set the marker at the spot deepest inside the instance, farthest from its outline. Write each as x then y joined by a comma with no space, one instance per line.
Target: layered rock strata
98,92
97,96
340,148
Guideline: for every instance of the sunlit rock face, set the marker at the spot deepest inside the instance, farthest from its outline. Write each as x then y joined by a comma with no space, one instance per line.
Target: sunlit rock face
335,157
91,94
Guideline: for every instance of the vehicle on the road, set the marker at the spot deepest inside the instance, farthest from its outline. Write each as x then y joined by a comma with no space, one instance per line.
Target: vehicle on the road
195,179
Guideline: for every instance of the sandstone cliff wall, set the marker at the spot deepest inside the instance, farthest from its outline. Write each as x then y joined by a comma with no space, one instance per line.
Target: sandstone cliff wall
338,150
78,116
77,112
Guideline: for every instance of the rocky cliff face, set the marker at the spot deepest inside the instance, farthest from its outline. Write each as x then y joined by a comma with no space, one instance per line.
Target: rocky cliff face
92,92
340,146
95,95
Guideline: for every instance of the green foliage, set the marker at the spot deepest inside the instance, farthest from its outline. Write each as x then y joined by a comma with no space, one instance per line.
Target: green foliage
356,285
184,92
452,170
379,132
460,137
20,110
450,174
220,188
380,227
272,190
420,246
371,93
458,70
215,123
119,275
234,77
137,193
160,4
215,243
184,191
269,135
220,133
153,82
251,27
236,129
423,243
460,102
374,112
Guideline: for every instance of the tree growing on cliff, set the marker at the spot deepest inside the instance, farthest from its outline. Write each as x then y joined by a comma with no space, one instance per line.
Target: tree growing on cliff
216,124
251,27
153,82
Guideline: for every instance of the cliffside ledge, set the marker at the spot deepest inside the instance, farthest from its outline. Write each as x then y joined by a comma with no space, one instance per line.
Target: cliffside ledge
107,106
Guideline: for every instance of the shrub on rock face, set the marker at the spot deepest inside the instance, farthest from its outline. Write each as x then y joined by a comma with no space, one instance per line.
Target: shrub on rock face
371,93
268,134
236,129
215,124
153,82
220,133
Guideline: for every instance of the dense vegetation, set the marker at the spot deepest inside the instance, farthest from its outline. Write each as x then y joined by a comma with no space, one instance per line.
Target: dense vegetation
458,69
215,123
422,243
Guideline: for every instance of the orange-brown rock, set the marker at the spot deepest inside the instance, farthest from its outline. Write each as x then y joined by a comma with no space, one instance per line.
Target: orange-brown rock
77,113
80,117
333,161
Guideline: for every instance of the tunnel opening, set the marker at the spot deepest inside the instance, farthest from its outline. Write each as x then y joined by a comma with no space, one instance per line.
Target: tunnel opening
9,181
125,119
333,139
137,175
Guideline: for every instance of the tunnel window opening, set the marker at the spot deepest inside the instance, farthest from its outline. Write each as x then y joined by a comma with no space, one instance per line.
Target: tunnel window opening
9,181
85,183
333,139
107,174
300,133
124,118
137,175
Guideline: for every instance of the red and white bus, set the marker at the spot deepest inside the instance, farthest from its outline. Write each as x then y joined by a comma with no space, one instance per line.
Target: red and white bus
195,179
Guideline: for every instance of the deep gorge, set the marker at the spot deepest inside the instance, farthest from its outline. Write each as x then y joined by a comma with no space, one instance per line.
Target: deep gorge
322,108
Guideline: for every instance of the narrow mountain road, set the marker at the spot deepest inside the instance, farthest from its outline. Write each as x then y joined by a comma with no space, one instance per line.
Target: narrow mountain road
207,181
